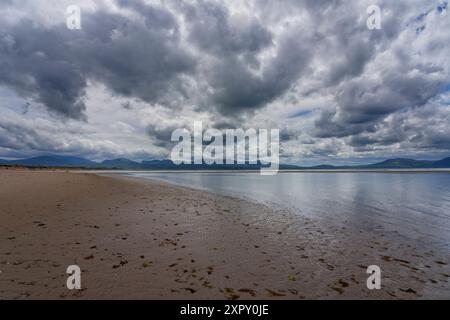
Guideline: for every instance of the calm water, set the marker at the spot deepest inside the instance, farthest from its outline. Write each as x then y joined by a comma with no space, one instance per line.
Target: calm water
416,205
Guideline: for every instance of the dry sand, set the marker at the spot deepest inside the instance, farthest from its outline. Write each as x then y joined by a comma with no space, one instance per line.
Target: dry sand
135,239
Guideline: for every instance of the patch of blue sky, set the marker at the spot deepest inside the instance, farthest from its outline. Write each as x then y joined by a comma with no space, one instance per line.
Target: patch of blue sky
421,17
444,97
442,7
445,89
302,113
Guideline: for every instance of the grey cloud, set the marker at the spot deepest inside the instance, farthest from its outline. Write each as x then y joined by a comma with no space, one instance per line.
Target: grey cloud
418,129
52,65
213,30
32,64
14,136
138,62
287,134
224,124
21,139
236,89
235,75
155,17
161,134
361,104
6,3
127,105
355,59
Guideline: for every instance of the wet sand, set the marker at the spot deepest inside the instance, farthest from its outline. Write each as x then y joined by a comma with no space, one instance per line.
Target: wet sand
135,239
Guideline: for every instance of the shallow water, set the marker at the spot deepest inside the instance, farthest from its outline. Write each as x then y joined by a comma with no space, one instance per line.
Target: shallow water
416,205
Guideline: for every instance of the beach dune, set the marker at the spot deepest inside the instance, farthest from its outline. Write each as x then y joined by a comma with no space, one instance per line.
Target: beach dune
136,239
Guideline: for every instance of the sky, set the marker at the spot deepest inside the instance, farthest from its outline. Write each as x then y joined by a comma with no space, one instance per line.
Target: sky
338,91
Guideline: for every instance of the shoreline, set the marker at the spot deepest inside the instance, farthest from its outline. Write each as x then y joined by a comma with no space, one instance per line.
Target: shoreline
140,239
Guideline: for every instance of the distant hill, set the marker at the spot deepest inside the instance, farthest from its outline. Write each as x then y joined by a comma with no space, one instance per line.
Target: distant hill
444,163
394,164
126,164
400,164
410,164
51,161
166,164
121,163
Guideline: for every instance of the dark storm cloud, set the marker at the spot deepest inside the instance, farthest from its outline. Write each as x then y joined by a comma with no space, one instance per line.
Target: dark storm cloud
287,134
223,125
237,89
142,61
146,60
154,17
213,30
6,3
366,139
412,130
355,45
33,62
354,61
361,104
53,65
161,134
363,101
237,80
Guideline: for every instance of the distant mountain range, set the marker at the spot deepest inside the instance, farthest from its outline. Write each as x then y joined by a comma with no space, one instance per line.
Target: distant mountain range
126,164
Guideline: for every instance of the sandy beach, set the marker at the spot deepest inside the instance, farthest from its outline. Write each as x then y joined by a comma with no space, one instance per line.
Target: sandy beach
135,239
